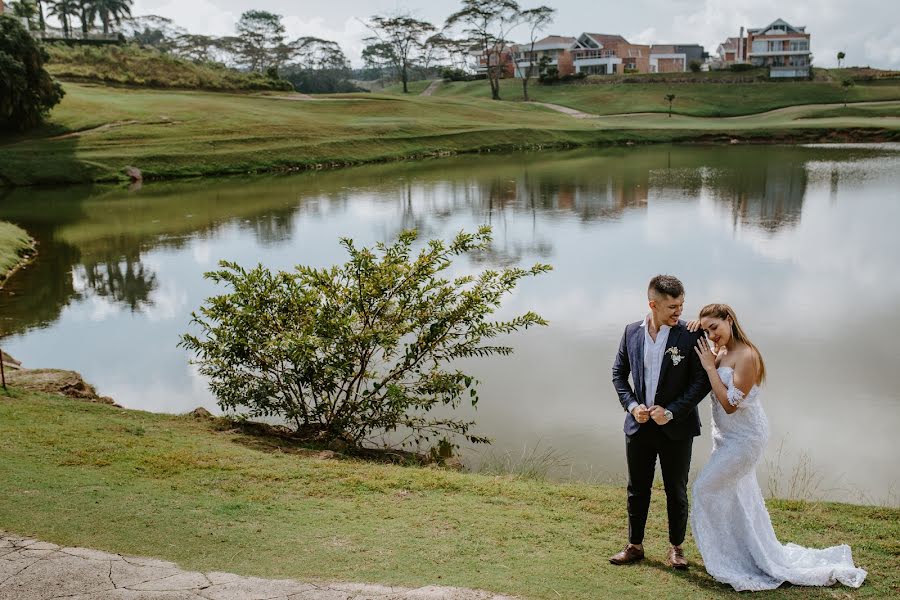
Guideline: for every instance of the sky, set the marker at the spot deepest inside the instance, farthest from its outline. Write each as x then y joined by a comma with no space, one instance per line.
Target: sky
868,31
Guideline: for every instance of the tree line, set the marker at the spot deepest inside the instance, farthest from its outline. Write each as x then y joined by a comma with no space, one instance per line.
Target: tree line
87,13
481,27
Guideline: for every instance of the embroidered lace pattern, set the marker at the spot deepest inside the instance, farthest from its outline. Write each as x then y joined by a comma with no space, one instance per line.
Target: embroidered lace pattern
729,518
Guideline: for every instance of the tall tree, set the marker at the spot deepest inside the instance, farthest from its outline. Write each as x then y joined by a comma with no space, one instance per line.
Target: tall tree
488,24
27,92
404,35
260,33
64,10
537,20
110,11
379,56
86,16
840,57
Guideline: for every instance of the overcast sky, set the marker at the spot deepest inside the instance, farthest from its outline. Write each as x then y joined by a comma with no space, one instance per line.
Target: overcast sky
867,30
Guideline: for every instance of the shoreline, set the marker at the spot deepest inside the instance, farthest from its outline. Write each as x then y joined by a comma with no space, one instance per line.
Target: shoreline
27,253
622,138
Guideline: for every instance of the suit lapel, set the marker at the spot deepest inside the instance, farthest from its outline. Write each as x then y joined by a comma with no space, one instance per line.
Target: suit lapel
637,359
674,335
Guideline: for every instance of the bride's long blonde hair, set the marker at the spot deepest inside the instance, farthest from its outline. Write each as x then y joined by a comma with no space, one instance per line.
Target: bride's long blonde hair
723,311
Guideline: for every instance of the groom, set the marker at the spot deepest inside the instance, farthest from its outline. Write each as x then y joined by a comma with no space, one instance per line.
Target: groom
662,418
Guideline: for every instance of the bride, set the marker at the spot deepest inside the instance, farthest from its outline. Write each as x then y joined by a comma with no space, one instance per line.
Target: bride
729,519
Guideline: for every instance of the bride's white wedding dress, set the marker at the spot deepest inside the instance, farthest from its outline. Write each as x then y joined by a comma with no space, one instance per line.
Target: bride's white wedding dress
729,519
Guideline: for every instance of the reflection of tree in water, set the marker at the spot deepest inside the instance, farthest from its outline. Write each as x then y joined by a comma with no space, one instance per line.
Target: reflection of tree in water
769,197
123,279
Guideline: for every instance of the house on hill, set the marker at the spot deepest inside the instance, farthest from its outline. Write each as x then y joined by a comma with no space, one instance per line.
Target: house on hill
781,47
553,50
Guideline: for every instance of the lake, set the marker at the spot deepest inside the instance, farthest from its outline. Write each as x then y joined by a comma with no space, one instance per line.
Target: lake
801,240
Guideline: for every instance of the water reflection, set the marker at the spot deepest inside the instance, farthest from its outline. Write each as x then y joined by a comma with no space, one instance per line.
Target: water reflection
798,238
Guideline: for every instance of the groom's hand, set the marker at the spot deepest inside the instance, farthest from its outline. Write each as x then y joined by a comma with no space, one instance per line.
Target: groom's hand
640,413
658,414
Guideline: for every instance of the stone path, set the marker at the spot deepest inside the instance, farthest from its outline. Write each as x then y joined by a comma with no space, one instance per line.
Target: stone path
432,87
566,110
35,570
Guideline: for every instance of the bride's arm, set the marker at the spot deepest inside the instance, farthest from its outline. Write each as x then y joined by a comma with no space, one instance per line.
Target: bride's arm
742,382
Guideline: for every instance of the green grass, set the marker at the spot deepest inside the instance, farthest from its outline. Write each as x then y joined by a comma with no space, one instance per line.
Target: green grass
414,87
97,131
14,243
135,66
692,99
179,489
856,111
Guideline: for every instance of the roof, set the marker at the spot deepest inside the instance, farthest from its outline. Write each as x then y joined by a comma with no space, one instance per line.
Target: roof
607,39
553,41
789,27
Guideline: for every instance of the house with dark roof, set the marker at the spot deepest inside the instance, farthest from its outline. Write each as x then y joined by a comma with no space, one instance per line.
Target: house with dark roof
781,47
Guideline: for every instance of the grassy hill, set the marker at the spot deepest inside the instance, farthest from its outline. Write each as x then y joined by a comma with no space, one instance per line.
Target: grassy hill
132,65
14,244
213,498
99,130
699,99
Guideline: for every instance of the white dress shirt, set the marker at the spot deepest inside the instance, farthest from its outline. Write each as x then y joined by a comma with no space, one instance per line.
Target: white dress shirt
654,353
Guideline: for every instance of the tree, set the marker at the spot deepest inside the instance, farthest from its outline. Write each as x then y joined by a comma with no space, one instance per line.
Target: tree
379,56
260,34
847,84
670,98
64,10
360,349
27,92
840,57
404,36
537,19
319,66
109,11
488,24
85,15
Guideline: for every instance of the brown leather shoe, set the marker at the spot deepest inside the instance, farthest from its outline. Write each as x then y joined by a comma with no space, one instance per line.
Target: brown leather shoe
675,558
630,554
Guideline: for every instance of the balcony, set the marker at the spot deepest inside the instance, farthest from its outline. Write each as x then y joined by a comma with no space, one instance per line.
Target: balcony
589,54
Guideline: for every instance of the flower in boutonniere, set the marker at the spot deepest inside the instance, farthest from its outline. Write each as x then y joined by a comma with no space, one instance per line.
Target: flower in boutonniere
675,355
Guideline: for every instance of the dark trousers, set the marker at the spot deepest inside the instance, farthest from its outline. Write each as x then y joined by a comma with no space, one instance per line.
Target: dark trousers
641,450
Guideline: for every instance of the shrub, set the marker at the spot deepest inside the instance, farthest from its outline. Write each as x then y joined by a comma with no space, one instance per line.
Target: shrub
741,67
360,349
27,91
695,66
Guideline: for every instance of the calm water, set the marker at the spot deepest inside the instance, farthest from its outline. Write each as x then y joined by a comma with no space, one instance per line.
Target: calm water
800,240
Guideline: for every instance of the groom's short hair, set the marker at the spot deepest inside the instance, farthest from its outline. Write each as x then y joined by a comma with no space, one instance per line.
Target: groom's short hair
665,285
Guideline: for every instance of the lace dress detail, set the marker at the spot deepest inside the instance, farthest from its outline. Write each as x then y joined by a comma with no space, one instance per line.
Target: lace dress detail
729,519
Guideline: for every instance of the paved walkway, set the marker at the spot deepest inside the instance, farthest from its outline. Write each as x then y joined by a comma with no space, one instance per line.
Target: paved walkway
35,570
566,110
431,87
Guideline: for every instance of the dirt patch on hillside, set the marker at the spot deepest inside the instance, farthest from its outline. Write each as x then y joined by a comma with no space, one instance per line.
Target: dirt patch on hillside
55,381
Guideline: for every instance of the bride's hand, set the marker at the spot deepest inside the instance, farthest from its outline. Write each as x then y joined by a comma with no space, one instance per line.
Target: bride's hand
703,350
693,326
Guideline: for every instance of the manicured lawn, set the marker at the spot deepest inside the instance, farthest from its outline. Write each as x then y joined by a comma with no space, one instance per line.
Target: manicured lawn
212,499
414,87
14,241
97,131
695,99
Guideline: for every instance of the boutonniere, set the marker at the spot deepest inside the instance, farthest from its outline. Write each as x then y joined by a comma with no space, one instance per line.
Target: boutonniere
675,354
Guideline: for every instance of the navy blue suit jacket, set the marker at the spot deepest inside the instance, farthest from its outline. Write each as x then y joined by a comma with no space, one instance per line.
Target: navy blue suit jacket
681,387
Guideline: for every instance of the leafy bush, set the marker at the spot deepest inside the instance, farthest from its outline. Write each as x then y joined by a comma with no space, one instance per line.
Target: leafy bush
451,74
741,67
27,91
695,66
360,349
